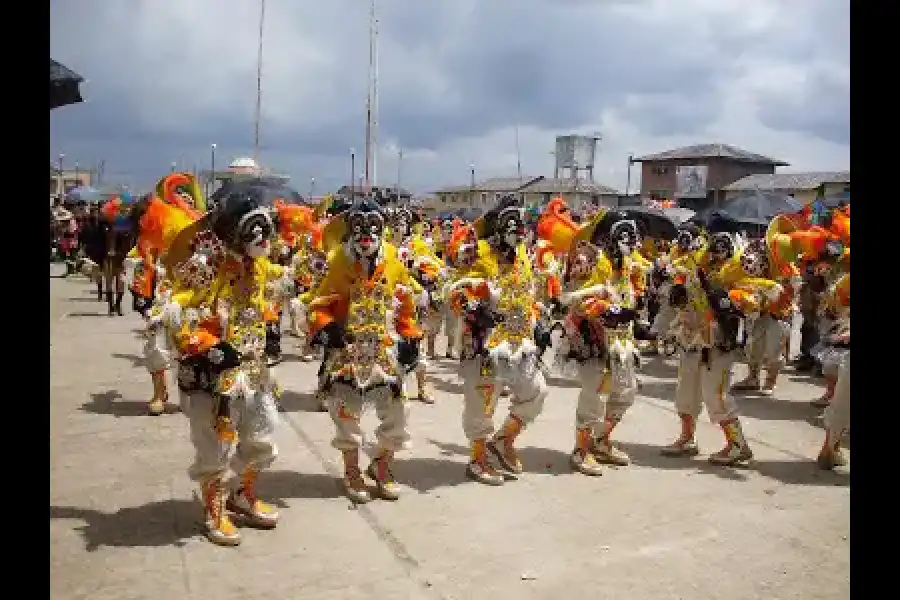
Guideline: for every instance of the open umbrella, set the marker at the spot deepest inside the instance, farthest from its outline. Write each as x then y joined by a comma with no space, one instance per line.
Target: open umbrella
64,83
85,194
758,207
679,214
268,190
653,222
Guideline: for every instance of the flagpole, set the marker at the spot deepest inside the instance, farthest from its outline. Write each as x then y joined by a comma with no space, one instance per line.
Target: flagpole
259,64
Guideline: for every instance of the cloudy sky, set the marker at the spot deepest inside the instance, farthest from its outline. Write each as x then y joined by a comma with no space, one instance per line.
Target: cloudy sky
166,78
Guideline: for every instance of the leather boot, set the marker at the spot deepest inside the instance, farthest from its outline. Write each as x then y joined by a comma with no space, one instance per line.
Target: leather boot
736,450
157,404
479,468
604,449
583,459
380,472
354,484
219,528
502,446
424,395
685,444
246,503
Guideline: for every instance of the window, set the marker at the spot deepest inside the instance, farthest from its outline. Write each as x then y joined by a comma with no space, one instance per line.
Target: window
483,198
659,170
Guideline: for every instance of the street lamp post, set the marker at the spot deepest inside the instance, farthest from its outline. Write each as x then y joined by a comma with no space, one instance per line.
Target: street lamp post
173,166
312,188
399,167
472,182
77,175
352,174
212,170
62,176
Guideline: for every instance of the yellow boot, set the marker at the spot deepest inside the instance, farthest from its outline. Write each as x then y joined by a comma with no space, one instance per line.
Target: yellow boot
245,503
479,468
583,459
219,528
736,450
503,446
380,472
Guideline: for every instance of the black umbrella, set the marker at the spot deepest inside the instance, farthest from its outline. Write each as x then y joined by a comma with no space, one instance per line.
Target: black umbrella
64,84
718,221
653,222
269,190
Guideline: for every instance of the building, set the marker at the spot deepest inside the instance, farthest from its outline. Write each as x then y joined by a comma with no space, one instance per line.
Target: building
240,168
696,176
65,180
804,187
579,194
404,196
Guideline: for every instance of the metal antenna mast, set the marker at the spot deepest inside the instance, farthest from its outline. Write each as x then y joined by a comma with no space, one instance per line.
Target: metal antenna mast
372,101
259,64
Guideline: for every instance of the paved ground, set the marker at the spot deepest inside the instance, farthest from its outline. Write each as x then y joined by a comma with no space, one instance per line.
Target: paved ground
125,523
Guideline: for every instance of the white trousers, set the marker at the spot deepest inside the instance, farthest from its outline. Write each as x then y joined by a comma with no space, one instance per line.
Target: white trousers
254,420
705,384
765,342
346,408
837,415
480,394
158,350
604,394
452,328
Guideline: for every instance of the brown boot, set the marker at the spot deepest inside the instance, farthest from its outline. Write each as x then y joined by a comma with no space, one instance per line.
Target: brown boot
750,383
219,528
479,468
605,451
502,446
685,444
157,404
246,503
583,459
380,472
354,484
736,450
831,455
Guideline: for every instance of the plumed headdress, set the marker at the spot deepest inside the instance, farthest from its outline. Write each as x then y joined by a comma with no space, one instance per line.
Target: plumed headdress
486,225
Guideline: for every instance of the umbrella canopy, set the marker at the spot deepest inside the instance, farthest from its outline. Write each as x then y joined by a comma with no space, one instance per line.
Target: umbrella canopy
269,190
678,214
717,220
64,84
85,194
653,222
760,205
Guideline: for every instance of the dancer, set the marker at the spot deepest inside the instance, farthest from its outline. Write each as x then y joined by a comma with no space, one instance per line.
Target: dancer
498,347
837,353
706,328
363,311
215,316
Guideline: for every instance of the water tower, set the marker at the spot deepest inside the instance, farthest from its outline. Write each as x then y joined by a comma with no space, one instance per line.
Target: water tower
574,154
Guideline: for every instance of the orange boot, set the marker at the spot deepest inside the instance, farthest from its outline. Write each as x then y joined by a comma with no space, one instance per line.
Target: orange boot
503,447
479,468
685,445
246,503
219,528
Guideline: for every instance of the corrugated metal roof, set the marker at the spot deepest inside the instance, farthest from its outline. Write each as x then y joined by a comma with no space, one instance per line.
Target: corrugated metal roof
537,185
550,185
712,151
789,181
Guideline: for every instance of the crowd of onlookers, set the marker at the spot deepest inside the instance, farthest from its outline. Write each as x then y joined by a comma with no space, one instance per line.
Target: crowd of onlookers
77,231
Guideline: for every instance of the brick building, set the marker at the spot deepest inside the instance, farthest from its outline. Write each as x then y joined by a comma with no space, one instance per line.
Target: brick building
696,176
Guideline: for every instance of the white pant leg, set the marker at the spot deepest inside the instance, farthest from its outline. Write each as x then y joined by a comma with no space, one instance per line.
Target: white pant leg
392,432
715,384
621,390
766,342
158,349
688,391
345,409
529,390
210,455
589,410
479,401
837,415
257,420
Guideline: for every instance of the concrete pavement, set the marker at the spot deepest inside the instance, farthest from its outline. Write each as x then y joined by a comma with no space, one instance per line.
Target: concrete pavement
125,522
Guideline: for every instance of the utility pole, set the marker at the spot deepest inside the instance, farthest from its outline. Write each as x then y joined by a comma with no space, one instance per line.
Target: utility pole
518,155
259,64
371,100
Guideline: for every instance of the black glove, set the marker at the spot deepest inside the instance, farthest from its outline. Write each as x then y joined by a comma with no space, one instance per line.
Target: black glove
642,332
641,302
542,338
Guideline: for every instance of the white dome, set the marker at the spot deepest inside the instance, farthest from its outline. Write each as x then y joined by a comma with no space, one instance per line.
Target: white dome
243,163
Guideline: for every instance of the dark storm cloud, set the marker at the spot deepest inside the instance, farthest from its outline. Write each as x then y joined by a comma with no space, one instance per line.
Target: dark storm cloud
822,109
448,71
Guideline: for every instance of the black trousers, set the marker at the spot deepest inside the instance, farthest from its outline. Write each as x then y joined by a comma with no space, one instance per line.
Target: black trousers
809,335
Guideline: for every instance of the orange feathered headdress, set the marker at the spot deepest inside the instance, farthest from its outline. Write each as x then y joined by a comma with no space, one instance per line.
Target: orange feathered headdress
556,227
294,220
168,185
